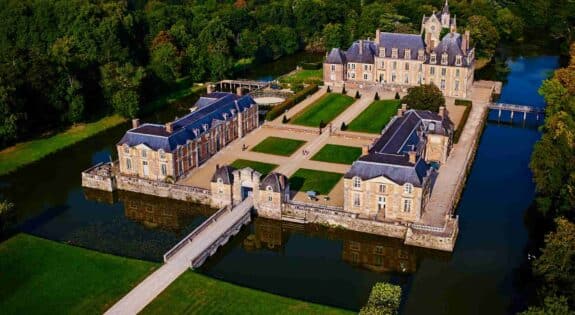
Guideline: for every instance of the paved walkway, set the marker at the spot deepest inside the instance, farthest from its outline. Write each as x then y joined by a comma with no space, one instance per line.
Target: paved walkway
145,292
452,173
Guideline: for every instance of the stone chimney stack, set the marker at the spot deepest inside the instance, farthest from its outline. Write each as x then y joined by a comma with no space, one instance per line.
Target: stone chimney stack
399,112
169,127
377,36
135,123
404,107
239,91
465,42
412,157
209,88
361,46
442,111
364,150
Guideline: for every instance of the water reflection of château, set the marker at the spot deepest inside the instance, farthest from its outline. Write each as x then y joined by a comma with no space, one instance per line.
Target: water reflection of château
375,253
153,212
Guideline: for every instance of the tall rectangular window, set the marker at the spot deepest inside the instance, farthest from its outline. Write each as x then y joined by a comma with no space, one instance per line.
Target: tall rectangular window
381,202
128,164
332,68
163,169
356,200
432,70
443,72
406,205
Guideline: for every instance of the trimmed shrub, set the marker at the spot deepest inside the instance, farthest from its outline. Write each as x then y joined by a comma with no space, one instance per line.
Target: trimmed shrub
384,299
343,91
357,95
311,65
376,97
460,102
285,120
424,97
464,118
328,89
343,126
291,102
397,95
297,87
321,125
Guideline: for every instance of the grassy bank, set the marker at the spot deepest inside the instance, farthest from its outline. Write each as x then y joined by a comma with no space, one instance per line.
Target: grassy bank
374,118
303,76
27,152
194,293
44,277
325,109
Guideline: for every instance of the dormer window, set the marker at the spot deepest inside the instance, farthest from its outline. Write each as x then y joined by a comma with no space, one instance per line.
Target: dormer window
394,53
408,188
220,181
162,154
444,58
144,153
356,182
458,60
269,188
433,58
126,149
420,55
407,54
382,52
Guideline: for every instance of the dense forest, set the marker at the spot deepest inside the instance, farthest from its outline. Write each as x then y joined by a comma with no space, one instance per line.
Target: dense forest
553,166
64,62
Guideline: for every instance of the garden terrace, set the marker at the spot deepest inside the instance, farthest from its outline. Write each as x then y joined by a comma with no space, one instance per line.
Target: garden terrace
334,153
323,110
319,181
374,118
278,146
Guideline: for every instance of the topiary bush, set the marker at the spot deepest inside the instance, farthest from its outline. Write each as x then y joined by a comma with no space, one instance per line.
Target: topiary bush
343,126
285,120
376,97
424,97
328,89
384,299
397,95
343,91
357,95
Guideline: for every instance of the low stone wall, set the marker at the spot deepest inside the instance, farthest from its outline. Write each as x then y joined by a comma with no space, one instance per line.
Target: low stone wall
290,128
430,239
99,177
165,190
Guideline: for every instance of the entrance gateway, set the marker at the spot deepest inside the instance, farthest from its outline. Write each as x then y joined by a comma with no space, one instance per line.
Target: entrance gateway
246,192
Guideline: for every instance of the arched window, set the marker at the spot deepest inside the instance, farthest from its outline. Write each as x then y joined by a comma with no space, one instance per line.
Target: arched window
269,188
220,180
162,154
126,149
356,182
408,188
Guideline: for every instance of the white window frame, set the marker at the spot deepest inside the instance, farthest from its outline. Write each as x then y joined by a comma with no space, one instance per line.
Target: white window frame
407,205
408,188
356,182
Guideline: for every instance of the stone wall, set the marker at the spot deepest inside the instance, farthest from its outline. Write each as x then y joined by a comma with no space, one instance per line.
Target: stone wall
99,177
166,190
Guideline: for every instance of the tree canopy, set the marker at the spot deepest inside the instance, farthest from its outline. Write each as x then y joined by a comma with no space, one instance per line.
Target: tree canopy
424,97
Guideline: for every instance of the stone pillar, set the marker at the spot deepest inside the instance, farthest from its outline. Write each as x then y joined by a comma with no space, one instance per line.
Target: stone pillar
135,123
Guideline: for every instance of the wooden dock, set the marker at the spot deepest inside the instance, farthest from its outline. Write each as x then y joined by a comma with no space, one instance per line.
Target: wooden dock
191,252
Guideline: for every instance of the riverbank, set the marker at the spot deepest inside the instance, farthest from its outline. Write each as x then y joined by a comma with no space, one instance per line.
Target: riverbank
25,153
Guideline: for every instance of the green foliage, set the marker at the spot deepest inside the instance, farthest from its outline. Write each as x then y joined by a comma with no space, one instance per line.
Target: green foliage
444,31
424,97
397,96
376,97
319,181
6,211
510,26
125,103
357,95
552,306
324,109
374,118
291,102
462,102
334,153
485,36
384,299
343,126
285,120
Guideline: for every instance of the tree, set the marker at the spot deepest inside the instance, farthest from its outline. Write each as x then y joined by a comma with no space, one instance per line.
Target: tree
510,25
444,31
556,265
424,97
5,214
165,62
383,299
333,36
552,306
483,35
75,102
121,85
126,103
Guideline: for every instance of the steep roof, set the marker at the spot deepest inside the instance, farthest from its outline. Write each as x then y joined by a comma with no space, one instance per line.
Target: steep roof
451,44
278,182
366,55
225,173
396,173
336,56
212,109
414,42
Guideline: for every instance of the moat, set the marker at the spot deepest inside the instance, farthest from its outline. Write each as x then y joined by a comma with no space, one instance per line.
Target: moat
312,262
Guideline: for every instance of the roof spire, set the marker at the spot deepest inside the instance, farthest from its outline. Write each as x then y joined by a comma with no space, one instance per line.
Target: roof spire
445,8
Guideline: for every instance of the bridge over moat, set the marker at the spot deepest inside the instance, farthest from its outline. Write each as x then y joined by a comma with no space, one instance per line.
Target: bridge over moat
515,108
191,252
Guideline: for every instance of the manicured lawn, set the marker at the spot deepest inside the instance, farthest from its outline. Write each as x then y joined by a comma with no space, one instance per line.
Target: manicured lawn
318,181
337,154
375,116
278,146
303,76
194,293
38,276
263,168
30,151
325,109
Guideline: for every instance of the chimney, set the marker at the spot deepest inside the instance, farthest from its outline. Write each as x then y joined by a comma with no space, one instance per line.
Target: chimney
377,36
404,107
169,127
399,112
442,111
364,150
209,88
239,91
412,157
361,46
465,42
135,123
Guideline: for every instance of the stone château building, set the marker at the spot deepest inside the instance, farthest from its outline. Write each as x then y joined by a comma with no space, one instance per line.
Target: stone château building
170,151
393,181
405,60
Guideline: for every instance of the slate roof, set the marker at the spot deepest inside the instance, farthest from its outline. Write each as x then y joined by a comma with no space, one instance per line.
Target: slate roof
451,44
212,109
276,181
367,54
401,42
225,173
389,155
336,56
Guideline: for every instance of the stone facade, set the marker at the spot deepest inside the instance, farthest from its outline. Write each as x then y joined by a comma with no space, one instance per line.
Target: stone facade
406,60
168,152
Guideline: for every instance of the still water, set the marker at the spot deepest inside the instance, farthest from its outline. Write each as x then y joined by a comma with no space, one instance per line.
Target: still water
314,263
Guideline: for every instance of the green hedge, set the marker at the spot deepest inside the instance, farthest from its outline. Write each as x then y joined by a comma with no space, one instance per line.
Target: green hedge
291,102
468,105
460,102
311,65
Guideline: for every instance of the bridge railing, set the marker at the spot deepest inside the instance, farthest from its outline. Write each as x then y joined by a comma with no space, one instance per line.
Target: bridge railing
170,253
517,108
